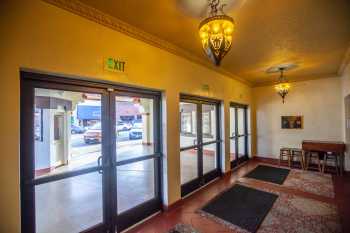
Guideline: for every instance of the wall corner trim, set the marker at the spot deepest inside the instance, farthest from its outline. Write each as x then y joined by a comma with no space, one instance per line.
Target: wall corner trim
345,62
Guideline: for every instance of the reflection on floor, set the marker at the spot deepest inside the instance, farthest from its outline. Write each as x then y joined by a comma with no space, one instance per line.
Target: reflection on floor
189,168
135,184
69,205
74,204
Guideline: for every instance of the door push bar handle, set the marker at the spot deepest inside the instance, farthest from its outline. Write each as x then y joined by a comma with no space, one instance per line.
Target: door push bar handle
198,143
99,162
195,143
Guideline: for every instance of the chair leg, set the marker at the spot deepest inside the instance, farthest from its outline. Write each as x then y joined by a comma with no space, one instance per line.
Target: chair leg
302,162
324,162
341,163
336,164
319,163
290,160
279,162
308,157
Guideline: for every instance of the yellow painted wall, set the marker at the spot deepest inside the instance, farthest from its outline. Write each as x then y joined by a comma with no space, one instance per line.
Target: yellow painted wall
37,35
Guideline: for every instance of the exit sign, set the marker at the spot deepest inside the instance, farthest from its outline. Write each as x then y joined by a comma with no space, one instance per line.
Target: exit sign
114,65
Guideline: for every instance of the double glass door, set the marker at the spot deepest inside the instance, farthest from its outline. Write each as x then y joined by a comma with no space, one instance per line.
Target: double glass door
90,155
239,134
199,142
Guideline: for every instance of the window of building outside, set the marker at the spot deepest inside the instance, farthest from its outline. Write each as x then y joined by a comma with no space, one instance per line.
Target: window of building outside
207,124
186,123
38,124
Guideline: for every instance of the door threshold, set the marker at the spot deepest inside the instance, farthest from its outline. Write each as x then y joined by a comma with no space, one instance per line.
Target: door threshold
240,165
140,222
189,194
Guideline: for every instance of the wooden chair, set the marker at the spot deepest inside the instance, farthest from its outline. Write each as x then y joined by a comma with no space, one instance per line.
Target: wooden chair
313,155
298,156
285,152
330,157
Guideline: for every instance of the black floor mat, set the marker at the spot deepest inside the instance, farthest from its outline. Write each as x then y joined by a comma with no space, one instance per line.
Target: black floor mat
241,206
270,174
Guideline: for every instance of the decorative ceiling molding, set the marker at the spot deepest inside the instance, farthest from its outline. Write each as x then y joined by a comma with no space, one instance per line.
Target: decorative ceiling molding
99,17
345,62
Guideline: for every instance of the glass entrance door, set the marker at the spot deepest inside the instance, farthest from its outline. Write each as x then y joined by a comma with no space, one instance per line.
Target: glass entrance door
90,155
199,142
239,135
136,156
63,152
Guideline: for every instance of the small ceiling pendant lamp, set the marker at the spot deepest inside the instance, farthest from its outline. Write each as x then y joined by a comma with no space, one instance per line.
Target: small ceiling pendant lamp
283,86
216,32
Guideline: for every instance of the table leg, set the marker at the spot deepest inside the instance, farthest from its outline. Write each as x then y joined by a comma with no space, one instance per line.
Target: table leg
341,161
303,160
324,162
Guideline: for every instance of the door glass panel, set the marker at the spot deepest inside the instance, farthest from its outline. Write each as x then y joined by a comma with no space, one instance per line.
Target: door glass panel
232,149
135,184
241,147
240,121
232,133
249,145
70,205
67,131
188,124
209,157
232,122
189,165
209,123
249,132
134,127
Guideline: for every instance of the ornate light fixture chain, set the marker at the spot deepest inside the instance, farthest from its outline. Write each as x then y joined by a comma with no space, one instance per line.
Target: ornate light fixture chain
213,4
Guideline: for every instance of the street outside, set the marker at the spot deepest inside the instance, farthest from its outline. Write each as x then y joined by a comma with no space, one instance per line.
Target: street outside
79,147
86,155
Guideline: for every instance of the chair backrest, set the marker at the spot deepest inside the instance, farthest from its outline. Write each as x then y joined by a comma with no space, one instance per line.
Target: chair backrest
285,151
297,152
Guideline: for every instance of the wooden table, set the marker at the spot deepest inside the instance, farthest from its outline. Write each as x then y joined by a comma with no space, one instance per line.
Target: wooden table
338,148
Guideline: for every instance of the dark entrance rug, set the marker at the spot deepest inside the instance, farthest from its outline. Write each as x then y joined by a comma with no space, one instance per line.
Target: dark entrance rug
240,206
183,228
270,174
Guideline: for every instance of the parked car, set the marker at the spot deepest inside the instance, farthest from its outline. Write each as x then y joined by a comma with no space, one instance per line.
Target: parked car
123,126
75,129
94,134
137,124
135,133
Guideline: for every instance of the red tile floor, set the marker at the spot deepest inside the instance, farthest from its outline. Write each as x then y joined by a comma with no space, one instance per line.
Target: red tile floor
184,212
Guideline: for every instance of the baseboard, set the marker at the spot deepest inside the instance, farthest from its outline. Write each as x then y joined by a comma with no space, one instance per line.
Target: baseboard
275,161
173,205
265,159
226,174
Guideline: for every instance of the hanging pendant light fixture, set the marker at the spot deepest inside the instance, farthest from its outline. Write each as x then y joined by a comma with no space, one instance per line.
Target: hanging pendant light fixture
216,32
283,86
